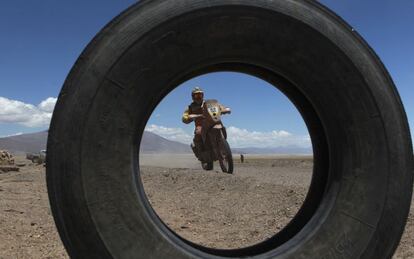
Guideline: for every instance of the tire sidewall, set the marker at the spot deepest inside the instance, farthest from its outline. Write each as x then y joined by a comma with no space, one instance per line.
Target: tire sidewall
93,120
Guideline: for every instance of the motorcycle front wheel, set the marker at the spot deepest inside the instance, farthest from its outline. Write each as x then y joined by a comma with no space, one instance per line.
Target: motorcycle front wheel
226,158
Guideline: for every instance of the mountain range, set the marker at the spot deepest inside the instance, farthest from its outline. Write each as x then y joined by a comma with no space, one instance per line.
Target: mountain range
150,143
34,142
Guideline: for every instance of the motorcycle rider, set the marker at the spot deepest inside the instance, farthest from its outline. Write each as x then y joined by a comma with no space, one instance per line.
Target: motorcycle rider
194,112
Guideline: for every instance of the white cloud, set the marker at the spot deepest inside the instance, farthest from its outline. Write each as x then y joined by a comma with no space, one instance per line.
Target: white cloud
11,135
244,138
239,137
29,115
175,134
48,105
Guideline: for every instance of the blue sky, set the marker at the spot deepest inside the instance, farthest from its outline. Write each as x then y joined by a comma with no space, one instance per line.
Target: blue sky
261,115
40,41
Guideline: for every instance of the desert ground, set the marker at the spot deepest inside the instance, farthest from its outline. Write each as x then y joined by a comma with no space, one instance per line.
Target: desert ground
210,208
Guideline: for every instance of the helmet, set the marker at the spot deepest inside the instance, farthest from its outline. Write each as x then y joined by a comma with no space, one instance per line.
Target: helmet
197,94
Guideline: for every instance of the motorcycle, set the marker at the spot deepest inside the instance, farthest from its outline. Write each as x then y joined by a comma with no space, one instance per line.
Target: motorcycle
214,138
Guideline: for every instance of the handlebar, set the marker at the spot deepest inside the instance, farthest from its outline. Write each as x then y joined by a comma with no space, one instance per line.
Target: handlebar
226,111
194,116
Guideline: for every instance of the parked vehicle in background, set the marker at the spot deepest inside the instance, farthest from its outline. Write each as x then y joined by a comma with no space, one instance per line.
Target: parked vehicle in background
37,158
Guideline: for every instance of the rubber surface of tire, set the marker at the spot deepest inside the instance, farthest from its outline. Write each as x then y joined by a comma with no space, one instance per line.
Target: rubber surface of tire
361,187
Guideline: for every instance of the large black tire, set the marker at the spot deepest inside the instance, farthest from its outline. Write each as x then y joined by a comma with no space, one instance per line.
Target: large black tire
360,192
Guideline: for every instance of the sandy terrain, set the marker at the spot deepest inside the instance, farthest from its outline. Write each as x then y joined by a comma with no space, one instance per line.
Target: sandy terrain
209,208
27,229
229,211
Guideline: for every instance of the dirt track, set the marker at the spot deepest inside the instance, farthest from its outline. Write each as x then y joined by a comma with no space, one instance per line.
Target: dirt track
210,208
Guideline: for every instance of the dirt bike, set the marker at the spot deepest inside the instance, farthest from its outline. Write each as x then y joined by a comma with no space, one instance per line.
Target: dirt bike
214,138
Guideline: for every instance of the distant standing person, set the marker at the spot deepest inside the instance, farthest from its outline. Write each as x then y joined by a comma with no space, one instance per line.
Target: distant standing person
241,158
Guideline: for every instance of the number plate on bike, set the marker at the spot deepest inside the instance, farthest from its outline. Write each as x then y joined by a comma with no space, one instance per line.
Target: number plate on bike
212,109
